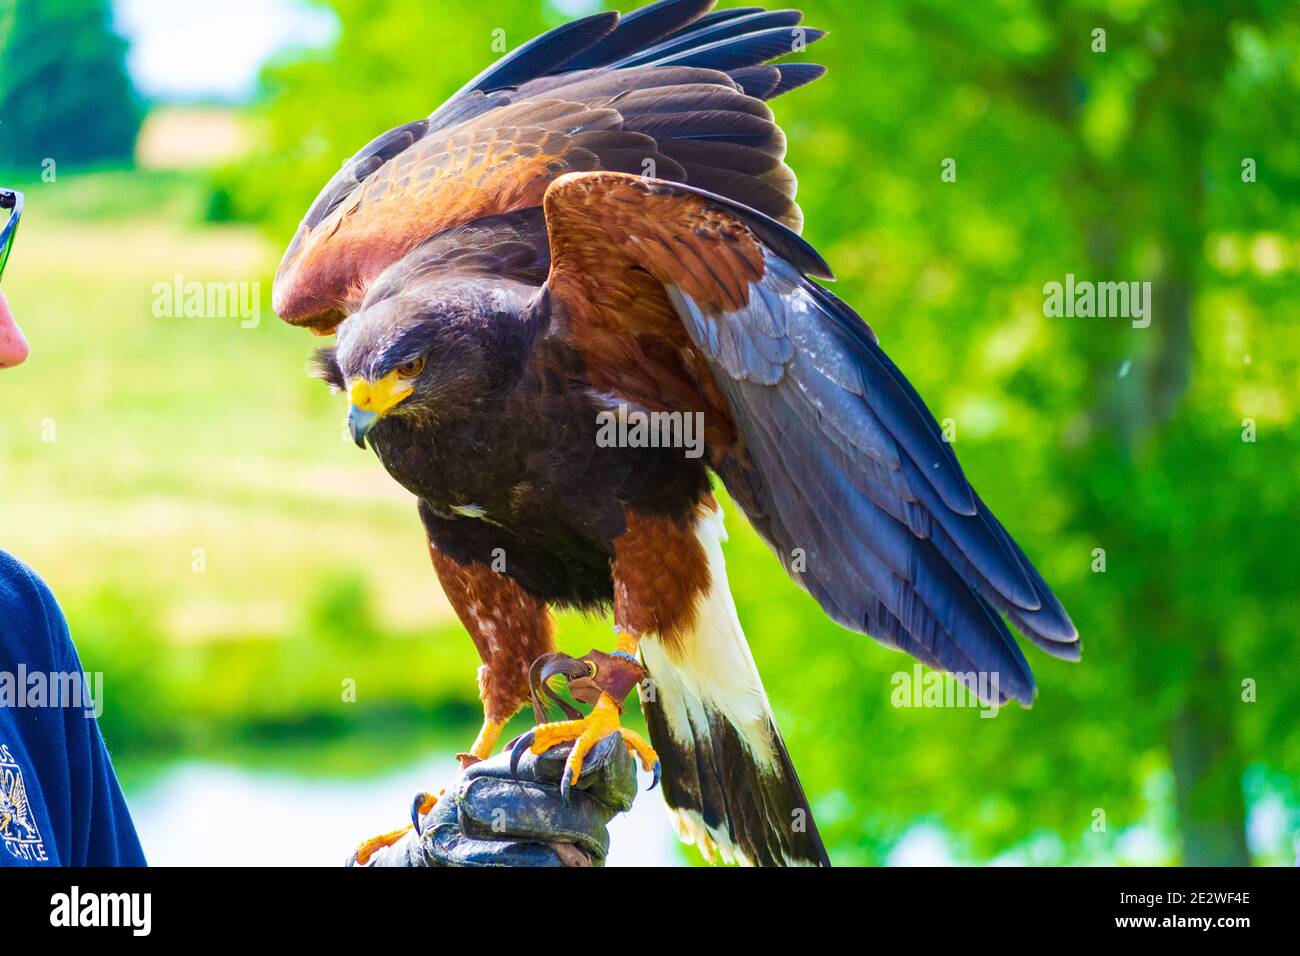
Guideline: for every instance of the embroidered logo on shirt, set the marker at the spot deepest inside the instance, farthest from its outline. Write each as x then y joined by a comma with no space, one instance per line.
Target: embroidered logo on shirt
18,828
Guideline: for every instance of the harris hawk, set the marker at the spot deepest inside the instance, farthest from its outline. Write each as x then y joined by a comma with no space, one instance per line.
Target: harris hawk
603,220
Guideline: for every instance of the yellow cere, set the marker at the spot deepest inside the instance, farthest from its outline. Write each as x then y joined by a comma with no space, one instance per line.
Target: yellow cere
381,396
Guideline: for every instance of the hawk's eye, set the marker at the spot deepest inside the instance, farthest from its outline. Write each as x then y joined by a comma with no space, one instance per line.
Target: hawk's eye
412,368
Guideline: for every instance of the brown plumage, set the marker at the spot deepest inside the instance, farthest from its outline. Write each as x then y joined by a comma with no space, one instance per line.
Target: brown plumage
510,629
602,225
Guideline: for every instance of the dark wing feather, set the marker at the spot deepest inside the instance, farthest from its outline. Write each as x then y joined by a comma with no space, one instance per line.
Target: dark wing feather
735,53
711,19
538,57
703,37
582,97
640,29
838,461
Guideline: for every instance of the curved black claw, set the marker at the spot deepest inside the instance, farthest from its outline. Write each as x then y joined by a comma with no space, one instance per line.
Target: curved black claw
521,744
417,801
566,785
658,771
539,683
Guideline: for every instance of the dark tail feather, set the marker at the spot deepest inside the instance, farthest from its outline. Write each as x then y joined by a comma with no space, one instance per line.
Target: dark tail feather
727,804
727,776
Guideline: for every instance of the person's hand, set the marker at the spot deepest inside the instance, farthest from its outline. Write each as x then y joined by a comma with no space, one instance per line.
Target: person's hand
488,818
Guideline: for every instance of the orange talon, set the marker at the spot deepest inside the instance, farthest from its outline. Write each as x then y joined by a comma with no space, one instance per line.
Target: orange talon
585,734
368,849
640,749
483,744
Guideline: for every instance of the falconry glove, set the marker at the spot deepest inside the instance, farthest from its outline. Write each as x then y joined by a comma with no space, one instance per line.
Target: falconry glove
489,817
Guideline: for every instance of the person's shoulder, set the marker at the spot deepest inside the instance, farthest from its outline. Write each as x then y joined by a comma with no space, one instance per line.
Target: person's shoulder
32,626
22,592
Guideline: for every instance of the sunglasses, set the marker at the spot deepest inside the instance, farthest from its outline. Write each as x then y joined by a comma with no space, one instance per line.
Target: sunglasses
12,201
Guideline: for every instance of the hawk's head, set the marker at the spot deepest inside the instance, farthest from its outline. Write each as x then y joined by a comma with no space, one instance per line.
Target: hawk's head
424,352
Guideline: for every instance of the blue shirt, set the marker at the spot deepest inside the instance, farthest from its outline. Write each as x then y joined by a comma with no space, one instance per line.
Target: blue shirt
60,802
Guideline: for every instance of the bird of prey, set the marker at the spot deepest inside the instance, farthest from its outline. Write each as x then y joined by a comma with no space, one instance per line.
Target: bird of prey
602,223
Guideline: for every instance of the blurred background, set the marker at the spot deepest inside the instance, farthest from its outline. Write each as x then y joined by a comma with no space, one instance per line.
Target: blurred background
232,564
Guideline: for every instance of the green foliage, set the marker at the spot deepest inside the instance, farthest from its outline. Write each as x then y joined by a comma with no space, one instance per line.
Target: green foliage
64,90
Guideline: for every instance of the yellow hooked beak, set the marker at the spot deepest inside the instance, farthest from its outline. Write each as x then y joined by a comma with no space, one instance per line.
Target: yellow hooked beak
371,401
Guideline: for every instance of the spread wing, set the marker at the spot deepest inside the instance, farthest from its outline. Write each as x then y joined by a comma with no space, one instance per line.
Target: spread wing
833,456
667,91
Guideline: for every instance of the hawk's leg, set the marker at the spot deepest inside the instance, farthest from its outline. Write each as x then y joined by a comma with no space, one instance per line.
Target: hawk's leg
613,675
660,573
510,629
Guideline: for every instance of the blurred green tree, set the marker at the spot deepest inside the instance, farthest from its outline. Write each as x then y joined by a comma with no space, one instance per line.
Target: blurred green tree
64,90
1150,472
